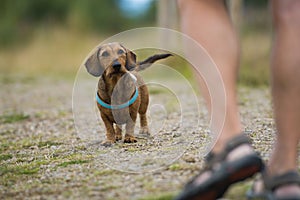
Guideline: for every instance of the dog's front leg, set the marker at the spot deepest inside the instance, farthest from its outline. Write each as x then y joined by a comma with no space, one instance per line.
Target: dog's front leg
110,132
118,131
129,135
144,130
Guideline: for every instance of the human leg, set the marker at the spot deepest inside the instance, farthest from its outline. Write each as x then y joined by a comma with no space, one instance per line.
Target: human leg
209,24
285,66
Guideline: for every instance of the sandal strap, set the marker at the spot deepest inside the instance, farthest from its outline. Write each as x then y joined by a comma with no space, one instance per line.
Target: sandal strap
211,159
233,143
290,177
237,141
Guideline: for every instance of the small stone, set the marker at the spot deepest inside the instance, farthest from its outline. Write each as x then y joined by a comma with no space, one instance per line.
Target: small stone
53,147
189,158
176,134
34,147
30,159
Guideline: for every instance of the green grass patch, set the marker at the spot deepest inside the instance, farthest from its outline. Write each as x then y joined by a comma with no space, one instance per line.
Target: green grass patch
133,149
4,146
175,167
27,143
4,157
238,190
27,169
72,162
6,132
14,117
48,143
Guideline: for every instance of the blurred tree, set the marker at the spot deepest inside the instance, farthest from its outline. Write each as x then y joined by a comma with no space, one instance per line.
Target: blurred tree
256,3
19,18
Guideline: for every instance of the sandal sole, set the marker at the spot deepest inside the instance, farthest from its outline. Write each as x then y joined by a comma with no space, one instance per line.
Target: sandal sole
220,181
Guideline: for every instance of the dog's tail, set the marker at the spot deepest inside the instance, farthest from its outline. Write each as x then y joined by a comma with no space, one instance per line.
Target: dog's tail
149,61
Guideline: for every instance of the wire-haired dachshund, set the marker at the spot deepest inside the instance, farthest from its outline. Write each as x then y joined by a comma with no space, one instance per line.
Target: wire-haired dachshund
121,91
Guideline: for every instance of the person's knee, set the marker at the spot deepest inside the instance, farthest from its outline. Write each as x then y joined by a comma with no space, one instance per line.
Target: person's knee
183,4
287,13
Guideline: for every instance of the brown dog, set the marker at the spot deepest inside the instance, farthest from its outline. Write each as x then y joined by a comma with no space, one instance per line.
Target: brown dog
121,91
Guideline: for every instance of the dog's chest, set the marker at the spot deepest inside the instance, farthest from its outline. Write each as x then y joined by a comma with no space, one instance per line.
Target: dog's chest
121,116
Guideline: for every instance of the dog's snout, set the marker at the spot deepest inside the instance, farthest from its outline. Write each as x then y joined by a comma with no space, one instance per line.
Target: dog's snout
116,65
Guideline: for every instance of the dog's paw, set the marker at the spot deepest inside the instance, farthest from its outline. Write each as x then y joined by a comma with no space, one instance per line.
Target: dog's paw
118,137
130,139
107,143
144,131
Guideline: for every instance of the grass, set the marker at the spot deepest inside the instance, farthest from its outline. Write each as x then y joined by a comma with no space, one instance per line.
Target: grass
72,162
133,149
58,53
13,171
8,142
175,167
55,53
255,61
14,117
48,143
24,169
4,157
238,191
4,145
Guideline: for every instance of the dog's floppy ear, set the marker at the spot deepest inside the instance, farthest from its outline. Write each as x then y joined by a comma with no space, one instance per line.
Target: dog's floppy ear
130,60
93,65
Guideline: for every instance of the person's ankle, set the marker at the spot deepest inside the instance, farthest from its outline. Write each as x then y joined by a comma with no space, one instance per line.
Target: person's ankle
274,170
223,140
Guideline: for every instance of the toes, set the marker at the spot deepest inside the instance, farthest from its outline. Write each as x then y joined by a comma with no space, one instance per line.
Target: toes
130,139
119,137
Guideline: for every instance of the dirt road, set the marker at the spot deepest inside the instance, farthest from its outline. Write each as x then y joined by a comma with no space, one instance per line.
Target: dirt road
43,155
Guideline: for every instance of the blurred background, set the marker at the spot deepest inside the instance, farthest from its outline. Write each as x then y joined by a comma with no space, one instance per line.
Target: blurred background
51,38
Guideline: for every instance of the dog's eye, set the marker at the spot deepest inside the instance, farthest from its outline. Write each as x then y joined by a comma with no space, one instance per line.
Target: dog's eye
120,51
105,54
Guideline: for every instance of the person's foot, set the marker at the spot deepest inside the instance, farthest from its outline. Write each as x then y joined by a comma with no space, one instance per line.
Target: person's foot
235,154
235,163
284,186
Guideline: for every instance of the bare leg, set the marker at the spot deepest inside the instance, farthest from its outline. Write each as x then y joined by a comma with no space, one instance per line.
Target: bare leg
285,67
209,24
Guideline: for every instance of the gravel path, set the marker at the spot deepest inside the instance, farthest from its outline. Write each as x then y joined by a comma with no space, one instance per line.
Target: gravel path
44,156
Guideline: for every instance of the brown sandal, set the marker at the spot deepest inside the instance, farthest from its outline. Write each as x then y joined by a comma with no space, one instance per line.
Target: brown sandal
271,183
223,173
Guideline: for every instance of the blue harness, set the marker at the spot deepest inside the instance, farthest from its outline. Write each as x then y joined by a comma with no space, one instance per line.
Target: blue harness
121,106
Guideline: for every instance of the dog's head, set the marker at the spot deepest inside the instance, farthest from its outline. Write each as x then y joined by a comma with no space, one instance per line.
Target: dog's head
110,59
